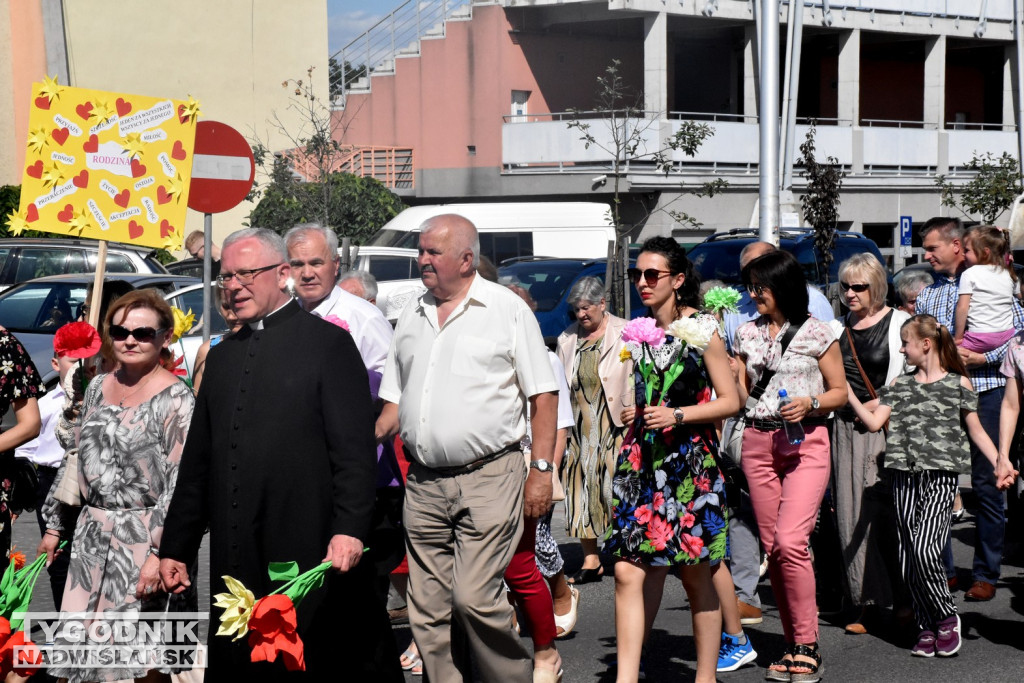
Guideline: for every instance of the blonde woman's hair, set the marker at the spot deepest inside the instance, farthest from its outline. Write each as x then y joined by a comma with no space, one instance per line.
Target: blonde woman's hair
866,266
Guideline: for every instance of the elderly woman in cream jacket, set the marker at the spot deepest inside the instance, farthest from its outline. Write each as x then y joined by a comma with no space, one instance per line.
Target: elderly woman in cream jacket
869,338
600,383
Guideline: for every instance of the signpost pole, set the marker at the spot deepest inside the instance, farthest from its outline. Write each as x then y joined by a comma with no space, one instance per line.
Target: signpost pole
207,272
97,286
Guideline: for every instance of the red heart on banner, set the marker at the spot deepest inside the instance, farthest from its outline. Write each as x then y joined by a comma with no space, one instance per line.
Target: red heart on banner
67,214
43,102
161,195
182,117
92,145
137,169
123,107
121,199
60,135
81,180
178,152
31,213
166,229
134,229
35,170
84,110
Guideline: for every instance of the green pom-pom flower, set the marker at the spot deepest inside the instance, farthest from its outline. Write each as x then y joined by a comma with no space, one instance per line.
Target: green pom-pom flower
722,299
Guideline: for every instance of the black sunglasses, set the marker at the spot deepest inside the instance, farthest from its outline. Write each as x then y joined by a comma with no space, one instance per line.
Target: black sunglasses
857,288
651,275
143,335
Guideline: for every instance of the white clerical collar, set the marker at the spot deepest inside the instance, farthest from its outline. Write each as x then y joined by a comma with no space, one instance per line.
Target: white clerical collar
258,325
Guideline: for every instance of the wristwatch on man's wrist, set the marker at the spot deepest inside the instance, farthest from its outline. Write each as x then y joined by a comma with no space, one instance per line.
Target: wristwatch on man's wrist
678,415
541,465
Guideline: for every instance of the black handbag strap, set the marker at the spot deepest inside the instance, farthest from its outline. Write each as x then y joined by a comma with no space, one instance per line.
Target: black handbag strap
766,375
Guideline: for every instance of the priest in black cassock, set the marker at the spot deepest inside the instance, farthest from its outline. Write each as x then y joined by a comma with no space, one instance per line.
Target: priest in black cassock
280,465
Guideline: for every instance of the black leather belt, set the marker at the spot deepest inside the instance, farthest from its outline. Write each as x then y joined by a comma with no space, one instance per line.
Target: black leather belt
770,425
470,467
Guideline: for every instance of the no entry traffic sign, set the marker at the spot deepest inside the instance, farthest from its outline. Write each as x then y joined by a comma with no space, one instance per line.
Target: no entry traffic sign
222,168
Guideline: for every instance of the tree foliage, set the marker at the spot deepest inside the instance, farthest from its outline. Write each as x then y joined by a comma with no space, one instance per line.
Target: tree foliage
339,75
622,114
301,183
990,192
820,201
359,206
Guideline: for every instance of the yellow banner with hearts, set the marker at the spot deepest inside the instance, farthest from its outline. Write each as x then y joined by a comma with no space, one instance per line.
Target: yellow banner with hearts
107,166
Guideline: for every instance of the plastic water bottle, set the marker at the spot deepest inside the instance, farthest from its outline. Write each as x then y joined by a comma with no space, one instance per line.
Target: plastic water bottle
794,430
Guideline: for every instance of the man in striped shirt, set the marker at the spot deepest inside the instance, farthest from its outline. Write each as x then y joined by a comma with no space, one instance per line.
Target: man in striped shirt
943,246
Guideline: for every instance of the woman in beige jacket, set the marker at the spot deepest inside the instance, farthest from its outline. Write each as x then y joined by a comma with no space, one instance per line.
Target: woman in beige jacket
599,382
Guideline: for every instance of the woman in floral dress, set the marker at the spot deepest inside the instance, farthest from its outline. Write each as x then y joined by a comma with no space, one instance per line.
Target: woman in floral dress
20,385
669,505
132,430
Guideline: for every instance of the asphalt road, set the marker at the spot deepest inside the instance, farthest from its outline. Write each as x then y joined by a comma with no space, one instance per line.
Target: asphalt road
993,648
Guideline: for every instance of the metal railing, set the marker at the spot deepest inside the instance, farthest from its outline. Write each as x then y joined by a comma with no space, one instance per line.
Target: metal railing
895,123
392,166
398,33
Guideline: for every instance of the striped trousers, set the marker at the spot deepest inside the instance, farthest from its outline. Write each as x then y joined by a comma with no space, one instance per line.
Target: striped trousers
923,502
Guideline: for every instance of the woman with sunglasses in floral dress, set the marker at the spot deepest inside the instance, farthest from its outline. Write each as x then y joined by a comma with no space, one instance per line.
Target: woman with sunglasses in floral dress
131,434
668,505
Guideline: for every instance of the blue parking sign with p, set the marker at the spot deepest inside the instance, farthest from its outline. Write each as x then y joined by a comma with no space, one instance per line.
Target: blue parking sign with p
906,226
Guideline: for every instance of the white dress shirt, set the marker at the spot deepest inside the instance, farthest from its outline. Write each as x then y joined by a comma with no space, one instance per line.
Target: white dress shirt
44,450
462,388
370,330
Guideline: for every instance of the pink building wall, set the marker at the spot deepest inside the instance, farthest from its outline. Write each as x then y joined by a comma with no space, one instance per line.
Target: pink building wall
456,92
28,65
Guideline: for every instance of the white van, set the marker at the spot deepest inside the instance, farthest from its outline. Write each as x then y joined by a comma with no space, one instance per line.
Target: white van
510,229
507,230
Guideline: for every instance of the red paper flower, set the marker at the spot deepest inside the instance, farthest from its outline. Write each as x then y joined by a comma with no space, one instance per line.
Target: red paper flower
272,631
25,661
18,558
77,340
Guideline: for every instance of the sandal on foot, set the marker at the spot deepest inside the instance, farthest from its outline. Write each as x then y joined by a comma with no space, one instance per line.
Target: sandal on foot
586,576
779,669
410,659
547,676
815,669
567,622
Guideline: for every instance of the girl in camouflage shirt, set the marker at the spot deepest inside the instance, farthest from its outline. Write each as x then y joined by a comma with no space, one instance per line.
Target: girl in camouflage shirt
926,449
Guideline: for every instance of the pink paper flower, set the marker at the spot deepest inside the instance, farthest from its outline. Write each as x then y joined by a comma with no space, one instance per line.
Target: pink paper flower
335,320
643,330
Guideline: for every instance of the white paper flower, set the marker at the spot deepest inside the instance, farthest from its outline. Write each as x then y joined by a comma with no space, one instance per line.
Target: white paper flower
691,332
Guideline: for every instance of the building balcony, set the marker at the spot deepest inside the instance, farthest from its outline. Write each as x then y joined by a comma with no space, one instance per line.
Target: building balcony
545,144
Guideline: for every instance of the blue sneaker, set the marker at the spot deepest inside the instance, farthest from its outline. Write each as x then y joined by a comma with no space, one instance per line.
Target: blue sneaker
732,655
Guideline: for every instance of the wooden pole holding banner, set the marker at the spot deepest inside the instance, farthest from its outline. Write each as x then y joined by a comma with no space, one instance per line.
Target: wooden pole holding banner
97,287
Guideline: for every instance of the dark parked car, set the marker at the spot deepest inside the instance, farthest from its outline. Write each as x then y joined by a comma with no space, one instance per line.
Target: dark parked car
27,258
718,257
548,280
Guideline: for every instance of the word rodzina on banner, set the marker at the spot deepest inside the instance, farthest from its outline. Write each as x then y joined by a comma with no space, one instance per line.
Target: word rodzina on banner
107,166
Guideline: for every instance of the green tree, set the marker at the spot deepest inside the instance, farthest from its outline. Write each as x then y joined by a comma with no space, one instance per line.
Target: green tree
820,201
992,190
359,206
339,76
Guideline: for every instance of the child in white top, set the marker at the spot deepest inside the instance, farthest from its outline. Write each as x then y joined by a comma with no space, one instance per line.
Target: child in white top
984,308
